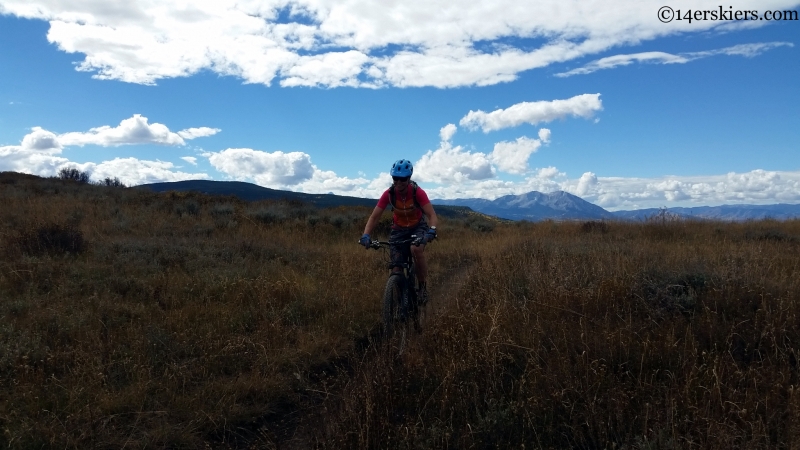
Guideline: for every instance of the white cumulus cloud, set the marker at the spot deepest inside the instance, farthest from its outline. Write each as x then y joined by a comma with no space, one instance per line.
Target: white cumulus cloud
754,187
544,135
325,181
292,171
133,171
41,140
584,105
447,132
16,158
41,153
193,133
134,130
333,69
361,43
276,169
455,164
512,157
449,164
585,183
548,173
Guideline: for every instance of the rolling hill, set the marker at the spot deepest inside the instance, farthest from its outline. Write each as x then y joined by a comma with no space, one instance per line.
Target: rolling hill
532,206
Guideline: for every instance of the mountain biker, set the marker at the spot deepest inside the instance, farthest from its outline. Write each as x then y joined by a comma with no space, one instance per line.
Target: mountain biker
410,209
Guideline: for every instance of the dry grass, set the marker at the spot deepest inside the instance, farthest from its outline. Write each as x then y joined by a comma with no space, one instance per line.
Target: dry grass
675,335
132,319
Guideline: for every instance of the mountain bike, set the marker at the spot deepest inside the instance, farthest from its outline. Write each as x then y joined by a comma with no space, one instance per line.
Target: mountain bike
400,297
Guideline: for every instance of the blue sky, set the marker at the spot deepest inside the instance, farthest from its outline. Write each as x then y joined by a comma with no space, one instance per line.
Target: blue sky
599,99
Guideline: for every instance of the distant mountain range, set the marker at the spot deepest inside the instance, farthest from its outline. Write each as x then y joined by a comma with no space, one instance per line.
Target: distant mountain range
561,205
780,211
533,206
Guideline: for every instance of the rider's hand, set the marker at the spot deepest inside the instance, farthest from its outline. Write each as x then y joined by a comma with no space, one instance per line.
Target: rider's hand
365,241
430,234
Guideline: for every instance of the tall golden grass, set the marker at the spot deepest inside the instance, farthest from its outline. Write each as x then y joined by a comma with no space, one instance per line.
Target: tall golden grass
133,319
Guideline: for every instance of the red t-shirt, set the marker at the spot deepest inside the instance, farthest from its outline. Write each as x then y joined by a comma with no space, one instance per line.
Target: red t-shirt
406,214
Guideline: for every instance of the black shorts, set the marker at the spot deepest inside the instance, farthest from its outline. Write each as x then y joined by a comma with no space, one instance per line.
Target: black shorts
399,234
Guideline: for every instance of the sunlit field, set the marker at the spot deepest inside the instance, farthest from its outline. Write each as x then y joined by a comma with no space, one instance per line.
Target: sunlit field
134,319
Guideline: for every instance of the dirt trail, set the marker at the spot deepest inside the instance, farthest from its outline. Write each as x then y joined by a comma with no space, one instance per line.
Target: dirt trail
444,291
298,434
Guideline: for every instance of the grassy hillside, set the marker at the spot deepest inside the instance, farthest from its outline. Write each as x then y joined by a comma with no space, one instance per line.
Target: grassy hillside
136,319
253,192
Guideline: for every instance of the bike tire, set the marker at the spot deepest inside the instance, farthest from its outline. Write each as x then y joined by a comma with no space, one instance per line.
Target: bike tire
393,327
414,308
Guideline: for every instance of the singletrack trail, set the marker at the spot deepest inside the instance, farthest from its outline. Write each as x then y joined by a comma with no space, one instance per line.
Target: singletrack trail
445,288
302,430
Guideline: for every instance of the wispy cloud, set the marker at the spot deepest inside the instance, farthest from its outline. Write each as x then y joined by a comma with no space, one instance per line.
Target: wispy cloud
610,62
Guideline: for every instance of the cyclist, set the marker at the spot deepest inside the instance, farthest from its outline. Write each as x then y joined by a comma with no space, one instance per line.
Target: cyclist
410,207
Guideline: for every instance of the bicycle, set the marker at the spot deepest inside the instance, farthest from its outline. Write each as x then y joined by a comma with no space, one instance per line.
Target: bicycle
400,297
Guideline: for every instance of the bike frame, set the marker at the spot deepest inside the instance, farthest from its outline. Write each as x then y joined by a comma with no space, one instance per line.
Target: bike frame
407,274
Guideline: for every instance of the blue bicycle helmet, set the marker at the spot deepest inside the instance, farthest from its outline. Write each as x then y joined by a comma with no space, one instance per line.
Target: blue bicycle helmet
402,168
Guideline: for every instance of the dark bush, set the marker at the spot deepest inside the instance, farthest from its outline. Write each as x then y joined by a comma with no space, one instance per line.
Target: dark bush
109,182
268,216
189,207
313,220
73,174
673,292
338,221
594,226
50,239
769,235
222,210
479,224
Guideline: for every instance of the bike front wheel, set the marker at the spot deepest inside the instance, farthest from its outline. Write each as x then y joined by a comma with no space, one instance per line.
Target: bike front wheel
392,303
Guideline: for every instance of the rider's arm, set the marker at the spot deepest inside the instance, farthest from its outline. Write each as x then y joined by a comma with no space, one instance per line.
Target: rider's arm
373,219
430,214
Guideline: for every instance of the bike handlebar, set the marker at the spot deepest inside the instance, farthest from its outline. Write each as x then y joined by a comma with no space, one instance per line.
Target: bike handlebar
417,241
